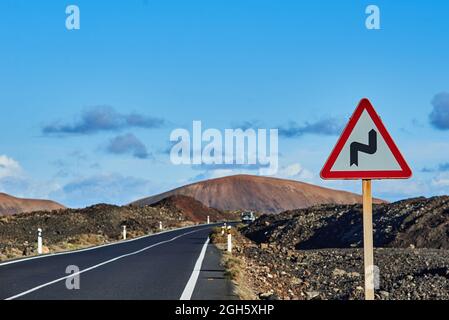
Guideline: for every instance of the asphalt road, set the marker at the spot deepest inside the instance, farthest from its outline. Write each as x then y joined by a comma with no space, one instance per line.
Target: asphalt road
162,266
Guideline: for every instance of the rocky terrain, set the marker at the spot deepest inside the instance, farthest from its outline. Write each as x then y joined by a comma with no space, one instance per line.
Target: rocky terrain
419,222
274,273
315,253
258,193
10,205
102,223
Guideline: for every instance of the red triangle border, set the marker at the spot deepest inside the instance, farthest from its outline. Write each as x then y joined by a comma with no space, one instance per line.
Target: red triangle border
405,171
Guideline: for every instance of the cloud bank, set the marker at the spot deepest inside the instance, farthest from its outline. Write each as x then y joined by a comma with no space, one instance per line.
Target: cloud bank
102,118
439,117
327,127
103,188
128,143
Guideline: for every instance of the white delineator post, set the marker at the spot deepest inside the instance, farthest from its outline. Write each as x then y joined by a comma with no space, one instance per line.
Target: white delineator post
368,239
223,227
39,241
124,232
160,225
208,219
229,240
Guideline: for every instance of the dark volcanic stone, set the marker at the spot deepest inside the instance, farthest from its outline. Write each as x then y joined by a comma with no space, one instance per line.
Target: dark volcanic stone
419,222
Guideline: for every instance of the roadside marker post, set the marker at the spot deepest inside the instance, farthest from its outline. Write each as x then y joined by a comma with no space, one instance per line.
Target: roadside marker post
124,232
160,225
208,220
366,151
39,241
229,240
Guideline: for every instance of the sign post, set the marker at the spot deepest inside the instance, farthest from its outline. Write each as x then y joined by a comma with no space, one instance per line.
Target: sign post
368,250
366,151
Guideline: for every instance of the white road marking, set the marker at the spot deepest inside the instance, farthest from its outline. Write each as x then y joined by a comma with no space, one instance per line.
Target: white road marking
190,286
93,248
101,264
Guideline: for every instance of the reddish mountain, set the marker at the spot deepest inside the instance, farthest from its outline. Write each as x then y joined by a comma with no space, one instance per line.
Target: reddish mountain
10,205
261,194
191,209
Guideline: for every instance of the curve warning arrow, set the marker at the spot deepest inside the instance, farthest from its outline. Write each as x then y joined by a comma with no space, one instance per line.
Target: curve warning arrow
369,148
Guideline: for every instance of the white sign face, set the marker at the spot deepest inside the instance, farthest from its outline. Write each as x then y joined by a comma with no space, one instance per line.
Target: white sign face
365,150
366,155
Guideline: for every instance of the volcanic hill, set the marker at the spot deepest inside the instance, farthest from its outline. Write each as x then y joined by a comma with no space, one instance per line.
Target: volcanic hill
257,193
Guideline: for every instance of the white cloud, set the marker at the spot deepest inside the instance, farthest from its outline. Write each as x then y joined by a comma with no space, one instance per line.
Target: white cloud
222,173
80,192
401,189
217,173
103,188
441,180
295,171
9,167
15,181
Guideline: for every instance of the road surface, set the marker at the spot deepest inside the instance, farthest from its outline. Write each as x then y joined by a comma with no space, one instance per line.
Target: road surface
162,266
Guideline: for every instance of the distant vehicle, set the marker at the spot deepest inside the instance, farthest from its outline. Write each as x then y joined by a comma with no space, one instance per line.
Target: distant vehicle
248,217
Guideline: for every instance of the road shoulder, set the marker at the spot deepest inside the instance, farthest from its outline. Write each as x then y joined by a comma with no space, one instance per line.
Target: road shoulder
212,282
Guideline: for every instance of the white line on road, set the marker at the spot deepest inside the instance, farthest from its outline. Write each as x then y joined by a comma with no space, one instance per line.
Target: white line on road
190,286
95,247
99,265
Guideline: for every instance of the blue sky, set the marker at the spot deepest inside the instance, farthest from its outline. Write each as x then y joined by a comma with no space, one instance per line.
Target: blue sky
147,67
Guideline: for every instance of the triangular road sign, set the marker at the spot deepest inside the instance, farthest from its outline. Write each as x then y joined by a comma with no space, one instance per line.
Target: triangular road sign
365,150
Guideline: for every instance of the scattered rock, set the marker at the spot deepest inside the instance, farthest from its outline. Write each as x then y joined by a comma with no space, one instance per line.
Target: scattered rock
312,295
265,295
338,272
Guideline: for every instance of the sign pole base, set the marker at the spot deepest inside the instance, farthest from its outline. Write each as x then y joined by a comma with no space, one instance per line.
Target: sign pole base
368,239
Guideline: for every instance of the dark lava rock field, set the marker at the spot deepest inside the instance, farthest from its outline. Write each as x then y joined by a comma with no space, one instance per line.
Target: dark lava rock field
315,253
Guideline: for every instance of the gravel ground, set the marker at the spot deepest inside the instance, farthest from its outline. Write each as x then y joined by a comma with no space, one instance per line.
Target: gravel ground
404,274
315,253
